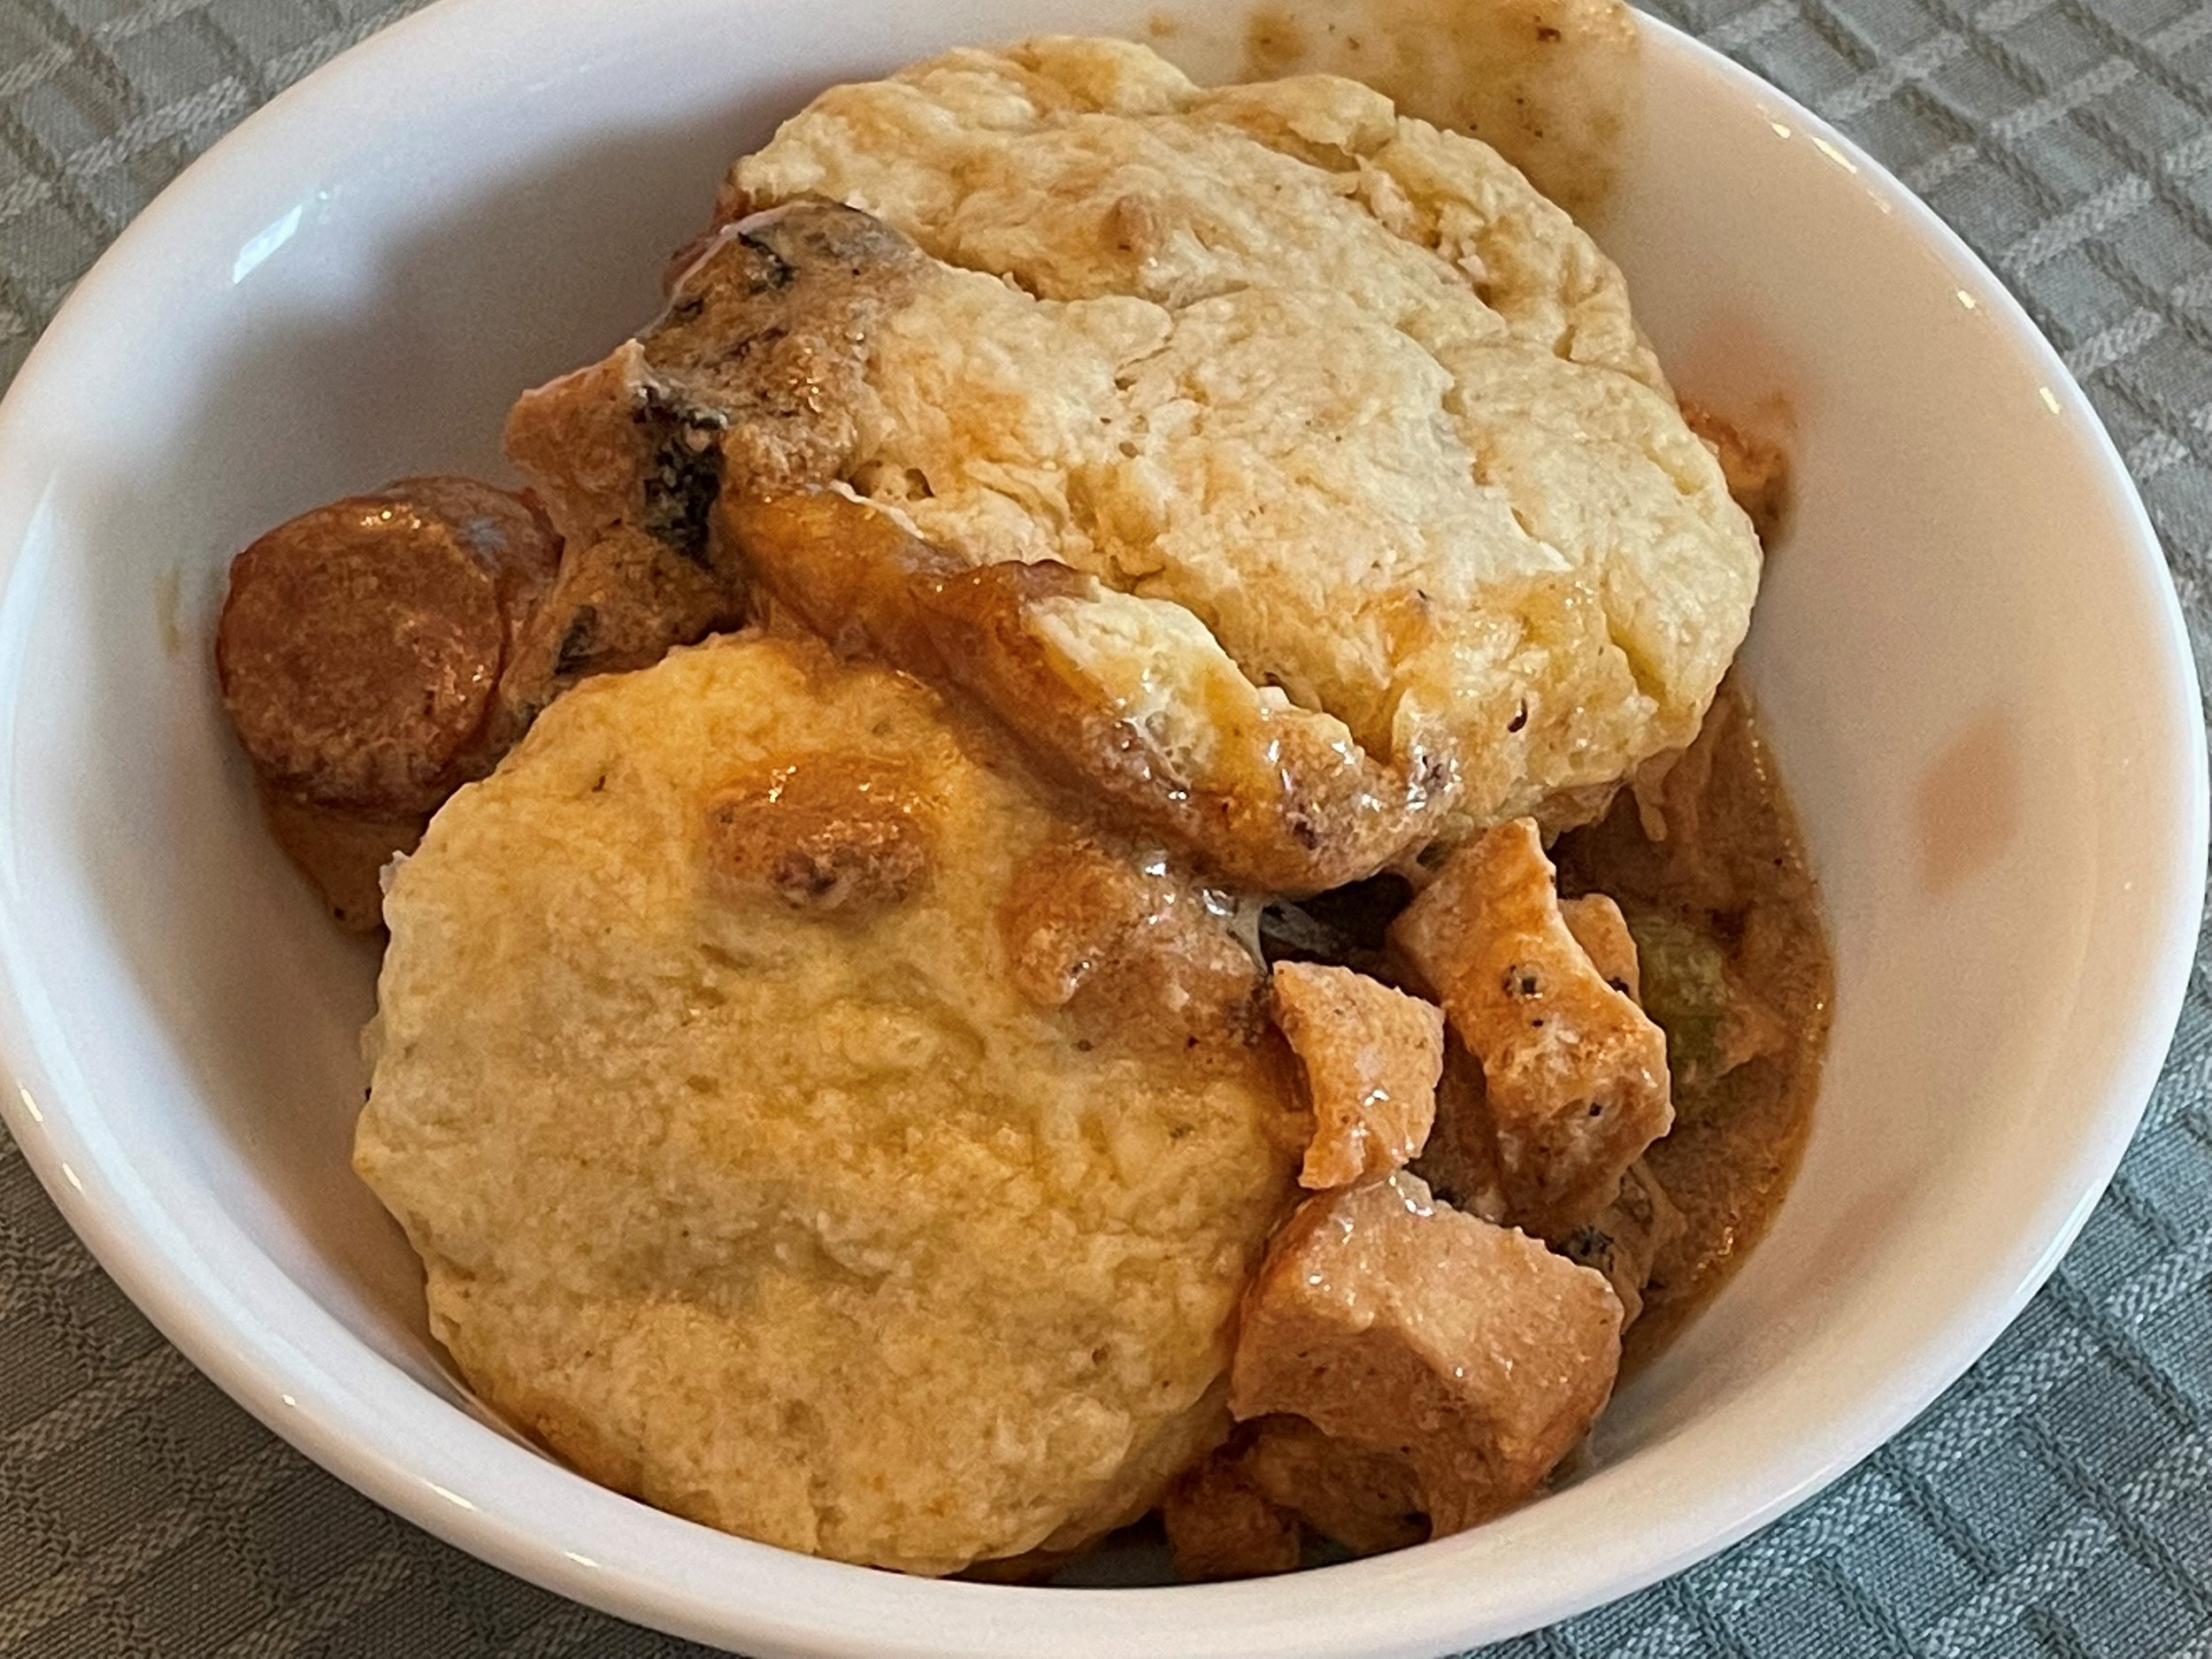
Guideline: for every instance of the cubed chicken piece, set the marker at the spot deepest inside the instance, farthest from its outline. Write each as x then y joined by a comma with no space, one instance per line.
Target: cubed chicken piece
1460,1163
1601,931
1625,1240
1220,1525
1371,1057
1461,1159
1575,1075
1368,1501
1402,1326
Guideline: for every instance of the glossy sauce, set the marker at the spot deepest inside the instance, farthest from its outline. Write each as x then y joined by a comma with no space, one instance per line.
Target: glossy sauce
1731,865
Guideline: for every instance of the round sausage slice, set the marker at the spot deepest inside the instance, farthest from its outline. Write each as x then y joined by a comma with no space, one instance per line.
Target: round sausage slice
361,644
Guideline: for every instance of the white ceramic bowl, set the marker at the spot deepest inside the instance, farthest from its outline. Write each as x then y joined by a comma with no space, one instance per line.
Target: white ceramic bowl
1968,653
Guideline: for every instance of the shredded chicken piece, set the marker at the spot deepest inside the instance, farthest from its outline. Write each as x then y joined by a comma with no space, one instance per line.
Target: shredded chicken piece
1402,1326
1574,1074
1372,1056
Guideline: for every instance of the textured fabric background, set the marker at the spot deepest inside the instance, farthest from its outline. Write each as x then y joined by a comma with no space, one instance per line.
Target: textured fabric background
2057,1501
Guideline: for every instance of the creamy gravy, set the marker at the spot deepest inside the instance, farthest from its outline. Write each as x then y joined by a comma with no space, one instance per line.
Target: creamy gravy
1729,869
1730,866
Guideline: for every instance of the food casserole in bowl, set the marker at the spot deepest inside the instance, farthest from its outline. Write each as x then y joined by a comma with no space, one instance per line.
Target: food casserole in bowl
1966,657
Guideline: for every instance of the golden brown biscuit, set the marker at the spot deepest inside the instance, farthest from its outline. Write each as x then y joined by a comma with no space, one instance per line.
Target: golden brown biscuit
1340,386
1128,701
746,1172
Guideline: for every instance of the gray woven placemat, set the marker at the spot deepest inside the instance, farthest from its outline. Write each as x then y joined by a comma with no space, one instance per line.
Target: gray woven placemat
2058,1501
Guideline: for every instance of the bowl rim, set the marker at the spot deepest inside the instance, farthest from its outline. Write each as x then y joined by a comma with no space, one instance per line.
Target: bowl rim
688,1580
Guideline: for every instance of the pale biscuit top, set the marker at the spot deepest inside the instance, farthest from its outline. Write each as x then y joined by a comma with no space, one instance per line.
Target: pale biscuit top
808,1129
1341,384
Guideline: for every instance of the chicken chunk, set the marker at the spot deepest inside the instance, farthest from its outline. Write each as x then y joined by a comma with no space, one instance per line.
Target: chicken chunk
1625,1239
1371,1057
1220,1525
1575,1075
1603,932
1402,1326
1369,1501
1244,1510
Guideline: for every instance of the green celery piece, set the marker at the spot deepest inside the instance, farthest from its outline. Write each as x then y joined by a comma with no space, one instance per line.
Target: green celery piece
1684,974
